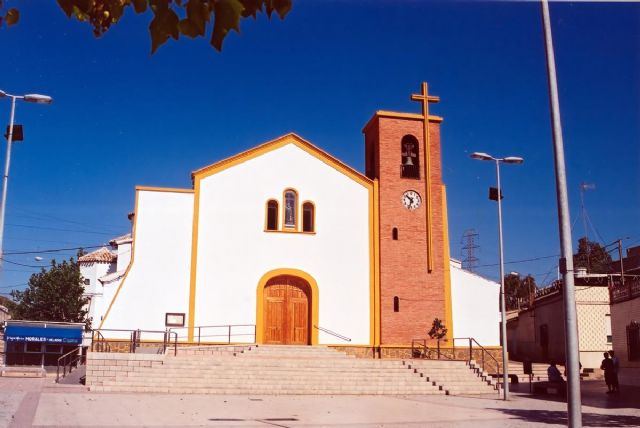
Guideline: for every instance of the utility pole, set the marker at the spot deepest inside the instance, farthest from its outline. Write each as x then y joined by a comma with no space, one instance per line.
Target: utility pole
574,406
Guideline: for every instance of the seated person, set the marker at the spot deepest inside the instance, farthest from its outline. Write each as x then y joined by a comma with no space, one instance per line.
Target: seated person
554,374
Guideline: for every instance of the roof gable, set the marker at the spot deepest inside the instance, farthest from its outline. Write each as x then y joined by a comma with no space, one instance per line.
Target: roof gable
275,144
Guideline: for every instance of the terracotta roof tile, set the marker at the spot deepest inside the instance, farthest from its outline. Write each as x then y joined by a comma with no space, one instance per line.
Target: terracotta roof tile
101,255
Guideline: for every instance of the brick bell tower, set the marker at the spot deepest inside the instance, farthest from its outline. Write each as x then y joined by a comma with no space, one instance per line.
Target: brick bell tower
402,152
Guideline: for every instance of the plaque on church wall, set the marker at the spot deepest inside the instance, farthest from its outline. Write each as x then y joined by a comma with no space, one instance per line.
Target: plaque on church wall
174,320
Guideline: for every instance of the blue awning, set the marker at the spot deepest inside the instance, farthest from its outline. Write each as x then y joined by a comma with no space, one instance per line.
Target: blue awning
44,333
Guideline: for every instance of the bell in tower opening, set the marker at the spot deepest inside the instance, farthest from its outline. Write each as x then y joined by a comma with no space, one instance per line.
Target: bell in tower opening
410,160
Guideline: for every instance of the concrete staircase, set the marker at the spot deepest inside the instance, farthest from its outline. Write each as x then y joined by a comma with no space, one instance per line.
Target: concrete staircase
539,370
280,370
455,377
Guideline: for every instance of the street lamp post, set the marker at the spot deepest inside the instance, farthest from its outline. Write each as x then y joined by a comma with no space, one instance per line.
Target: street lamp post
503,310
30,98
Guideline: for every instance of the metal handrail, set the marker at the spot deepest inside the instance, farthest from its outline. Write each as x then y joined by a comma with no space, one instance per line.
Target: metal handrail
419,349
228,335
135,338
102,345
167,341
471,342
333,333
78,357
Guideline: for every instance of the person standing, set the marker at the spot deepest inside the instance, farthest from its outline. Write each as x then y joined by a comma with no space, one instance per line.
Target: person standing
607,366
616,367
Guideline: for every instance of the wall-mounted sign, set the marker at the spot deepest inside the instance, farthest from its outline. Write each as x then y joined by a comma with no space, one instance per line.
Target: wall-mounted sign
43,333
172,319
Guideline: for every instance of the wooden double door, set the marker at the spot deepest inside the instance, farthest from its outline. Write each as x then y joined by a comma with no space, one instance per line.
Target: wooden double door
287,303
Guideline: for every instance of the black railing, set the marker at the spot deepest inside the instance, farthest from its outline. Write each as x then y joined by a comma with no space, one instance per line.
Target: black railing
99,343
71,359
135,337
220,333
419,349
483,352
333,333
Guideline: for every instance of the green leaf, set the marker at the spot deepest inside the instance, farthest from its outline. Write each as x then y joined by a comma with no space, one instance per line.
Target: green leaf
228,13
251,7
12,17
187,28
139,5
66,6
198,15
281,7
164,25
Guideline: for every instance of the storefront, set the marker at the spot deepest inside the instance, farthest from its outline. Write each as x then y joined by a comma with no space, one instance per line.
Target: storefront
40,343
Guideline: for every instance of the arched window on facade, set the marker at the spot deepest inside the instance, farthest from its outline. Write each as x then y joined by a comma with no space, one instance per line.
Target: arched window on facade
409,157
394,233
396,304
290,209
272,215
308,217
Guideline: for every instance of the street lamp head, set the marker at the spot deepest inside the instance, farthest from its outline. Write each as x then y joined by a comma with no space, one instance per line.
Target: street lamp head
513,159
2,93
38,99
481,156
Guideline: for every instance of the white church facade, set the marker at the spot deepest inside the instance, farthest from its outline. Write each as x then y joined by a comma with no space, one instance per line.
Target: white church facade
292,246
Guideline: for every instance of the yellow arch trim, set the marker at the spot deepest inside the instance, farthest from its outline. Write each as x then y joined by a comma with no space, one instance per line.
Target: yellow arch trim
164,189
260,301
448,308
276,144
133,254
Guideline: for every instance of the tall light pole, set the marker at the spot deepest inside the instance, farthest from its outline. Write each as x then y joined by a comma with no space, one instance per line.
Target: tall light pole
30,98
572,353
503,310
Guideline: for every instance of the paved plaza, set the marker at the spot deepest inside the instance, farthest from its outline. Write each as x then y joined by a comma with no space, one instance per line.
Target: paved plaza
40,403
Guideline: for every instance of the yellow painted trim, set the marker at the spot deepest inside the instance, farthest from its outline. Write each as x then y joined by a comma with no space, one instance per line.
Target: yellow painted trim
296,208
448,304
375,213
133,253
260,301
276,144
399,115
163,189
266,215
313,216
194,259
299,232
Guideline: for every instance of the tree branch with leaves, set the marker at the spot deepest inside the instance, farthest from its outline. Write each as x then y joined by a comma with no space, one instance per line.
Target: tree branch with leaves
171,18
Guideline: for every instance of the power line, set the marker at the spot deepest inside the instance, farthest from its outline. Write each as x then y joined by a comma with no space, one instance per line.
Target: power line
54,250
29,226
39,215
20,264
520,261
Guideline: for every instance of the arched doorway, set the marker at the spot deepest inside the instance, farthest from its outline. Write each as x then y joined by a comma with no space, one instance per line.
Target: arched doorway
287,311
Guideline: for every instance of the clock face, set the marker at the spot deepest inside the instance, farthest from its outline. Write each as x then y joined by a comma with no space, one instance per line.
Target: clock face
411,199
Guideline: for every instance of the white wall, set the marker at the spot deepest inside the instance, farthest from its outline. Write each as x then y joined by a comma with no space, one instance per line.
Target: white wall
92,271
234,251
158,281
475,305
124,256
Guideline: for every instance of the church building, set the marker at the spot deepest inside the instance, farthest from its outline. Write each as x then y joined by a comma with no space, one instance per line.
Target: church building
285,244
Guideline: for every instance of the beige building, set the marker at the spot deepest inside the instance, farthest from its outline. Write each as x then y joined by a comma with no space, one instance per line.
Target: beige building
537,333
4,314
625,323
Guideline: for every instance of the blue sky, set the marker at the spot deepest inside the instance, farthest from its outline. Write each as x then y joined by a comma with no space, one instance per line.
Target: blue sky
122,117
